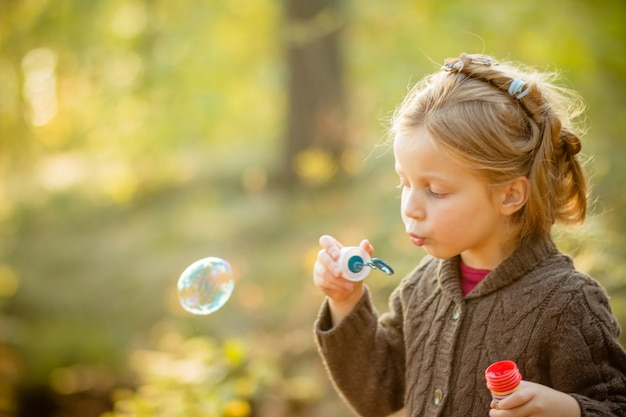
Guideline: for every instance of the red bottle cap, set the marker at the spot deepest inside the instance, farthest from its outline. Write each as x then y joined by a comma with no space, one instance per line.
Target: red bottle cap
502,376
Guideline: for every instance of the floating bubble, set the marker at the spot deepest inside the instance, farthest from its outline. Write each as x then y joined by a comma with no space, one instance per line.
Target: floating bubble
205,286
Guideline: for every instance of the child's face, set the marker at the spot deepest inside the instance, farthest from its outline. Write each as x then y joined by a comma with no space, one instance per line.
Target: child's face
446,208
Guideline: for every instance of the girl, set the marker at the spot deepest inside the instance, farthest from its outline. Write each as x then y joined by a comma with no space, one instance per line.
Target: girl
487,159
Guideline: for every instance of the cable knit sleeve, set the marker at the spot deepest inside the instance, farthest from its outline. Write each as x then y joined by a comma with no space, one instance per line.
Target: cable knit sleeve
586,357
365,357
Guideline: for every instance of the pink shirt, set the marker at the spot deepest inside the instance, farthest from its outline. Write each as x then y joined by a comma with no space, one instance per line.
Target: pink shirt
470,277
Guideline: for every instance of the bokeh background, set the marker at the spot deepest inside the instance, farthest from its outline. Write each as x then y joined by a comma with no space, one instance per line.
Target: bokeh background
137,136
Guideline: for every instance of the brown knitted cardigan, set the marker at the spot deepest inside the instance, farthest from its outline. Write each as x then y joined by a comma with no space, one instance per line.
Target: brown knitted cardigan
429,352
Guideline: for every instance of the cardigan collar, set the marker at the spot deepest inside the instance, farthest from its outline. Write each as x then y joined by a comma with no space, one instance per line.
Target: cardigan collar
523,260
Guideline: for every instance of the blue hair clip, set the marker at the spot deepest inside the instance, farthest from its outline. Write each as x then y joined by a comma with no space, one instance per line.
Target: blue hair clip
516,89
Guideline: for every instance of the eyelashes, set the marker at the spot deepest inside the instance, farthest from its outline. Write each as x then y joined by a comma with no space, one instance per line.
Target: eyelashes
429,190
436,195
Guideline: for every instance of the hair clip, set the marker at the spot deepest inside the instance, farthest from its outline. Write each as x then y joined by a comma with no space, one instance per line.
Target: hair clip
457,64
481,60
516,88
453,64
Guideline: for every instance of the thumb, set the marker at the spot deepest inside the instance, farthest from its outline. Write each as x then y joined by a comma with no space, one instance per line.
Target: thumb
367,246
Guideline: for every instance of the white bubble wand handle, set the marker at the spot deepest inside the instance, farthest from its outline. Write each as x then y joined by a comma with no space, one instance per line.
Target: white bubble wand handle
356,263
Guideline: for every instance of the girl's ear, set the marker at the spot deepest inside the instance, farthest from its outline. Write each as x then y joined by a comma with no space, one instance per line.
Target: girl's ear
514,195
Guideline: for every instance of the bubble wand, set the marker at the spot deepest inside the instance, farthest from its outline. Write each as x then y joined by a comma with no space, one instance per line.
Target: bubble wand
356,263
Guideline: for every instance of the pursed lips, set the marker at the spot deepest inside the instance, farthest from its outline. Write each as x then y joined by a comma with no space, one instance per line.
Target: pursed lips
417,240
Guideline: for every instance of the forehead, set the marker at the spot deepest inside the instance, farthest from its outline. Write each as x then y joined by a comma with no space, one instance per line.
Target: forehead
412,140
417,154
416,149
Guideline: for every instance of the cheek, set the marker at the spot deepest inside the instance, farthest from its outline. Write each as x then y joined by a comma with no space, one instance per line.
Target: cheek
463,217
449,218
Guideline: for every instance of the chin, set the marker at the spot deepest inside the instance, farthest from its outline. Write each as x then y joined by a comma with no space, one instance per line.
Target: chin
438,253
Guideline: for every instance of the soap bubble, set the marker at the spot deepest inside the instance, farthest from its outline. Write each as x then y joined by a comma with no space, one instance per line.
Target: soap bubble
205,286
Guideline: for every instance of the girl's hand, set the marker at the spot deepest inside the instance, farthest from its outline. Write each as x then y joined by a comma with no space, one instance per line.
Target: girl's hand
342,294
536,400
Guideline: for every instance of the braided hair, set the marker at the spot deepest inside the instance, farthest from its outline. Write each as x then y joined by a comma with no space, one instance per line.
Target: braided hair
505,121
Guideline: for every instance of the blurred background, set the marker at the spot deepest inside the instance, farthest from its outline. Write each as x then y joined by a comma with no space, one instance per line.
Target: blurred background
137,136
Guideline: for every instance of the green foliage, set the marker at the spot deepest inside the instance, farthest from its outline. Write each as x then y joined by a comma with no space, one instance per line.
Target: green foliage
139,136
194,377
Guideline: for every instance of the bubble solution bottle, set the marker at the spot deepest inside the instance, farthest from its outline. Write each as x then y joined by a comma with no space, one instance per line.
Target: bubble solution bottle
503,379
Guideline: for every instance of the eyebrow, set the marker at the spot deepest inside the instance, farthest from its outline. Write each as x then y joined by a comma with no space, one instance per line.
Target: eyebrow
428,176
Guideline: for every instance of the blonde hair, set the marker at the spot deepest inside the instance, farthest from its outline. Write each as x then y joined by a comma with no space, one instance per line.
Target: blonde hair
469,113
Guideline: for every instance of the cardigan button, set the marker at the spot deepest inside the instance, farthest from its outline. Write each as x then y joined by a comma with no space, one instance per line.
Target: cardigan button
456,313
438,398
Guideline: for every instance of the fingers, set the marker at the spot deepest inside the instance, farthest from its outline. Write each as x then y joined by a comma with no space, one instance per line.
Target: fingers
331,245
327,275
328,263
536,400
327,272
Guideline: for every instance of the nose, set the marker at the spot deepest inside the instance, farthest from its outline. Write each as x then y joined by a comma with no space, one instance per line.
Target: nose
413,205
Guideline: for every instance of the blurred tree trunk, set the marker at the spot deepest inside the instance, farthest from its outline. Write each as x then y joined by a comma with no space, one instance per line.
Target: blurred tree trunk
315,137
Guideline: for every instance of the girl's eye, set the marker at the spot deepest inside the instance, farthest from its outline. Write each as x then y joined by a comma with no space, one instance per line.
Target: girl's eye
436,194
